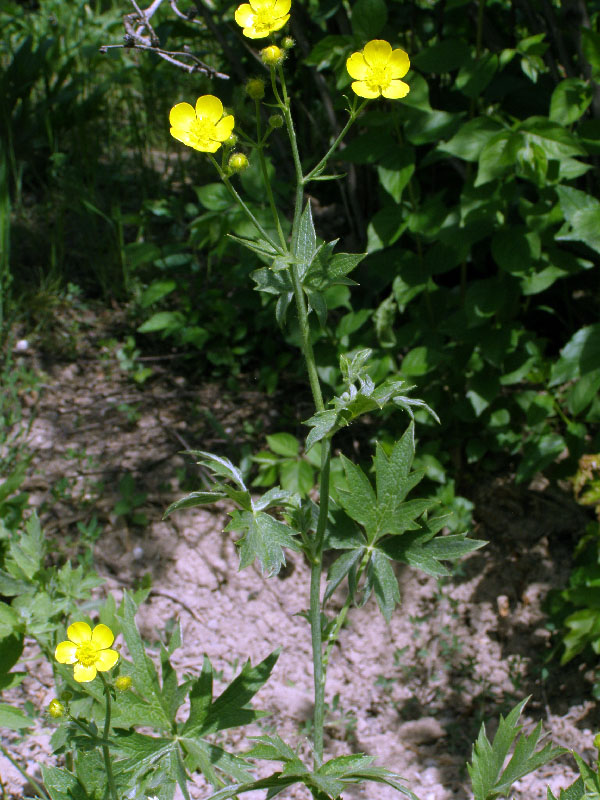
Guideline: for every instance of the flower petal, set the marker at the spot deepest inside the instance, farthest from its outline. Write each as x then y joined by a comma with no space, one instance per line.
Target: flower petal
106,660
224,128
395,90
277,24
377,53
208,146
182,136
79,632
182,115
66,653
400,63
363,89
102,636
281,7
209,107
244,16
84,674
357,67
252,33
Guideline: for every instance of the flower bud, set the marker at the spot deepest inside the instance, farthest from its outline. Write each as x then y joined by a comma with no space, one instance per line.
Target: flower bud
275,121
123,683
237,162
288,42
56,709
272,56
232,141
255,88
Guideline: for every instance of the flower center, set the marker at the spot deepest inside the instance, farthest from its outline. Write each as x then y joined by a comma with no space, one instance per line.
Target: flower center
263,19
380,76
203,131
87,654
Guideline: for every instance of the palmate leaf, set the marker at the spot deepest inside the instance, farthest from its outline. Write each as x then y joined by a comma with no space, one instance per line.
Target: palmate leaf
489,775
264,538
62,784
151,757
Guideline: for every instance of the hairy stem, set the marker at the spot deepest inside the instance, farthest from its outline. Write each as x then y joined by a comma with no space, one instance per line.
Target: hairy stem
105,751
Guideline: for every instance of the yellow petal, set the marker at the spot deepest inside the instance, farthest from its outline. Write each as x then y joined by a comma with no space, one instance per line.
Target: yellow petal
209,107
357,67
207,147
182,115
252,33
182,136
224,128
102,636
244,16
106,660
396,89
277,24
400,63
281,7
84,674
66,653
79,632
377,53
362,89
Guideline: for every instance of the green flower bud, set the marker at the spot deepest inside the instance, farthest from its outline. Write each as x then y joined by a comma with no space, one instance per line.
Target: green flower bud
272,55
56,709
275,121
237,162
288,42
255,88
123,683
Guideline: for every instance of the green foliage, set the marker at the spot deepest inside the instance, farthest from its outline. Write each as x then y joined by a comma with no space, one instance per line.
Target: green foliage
491,774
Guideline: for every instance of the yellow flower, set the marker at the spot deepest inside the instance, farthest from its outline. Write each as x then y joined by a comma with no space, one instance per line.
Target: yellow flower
259,18
204,128
377,69
88,651
272,55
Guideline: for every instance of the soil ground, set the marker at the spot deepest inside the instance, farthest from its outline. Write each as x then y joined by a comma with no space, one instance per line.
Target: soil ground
412,693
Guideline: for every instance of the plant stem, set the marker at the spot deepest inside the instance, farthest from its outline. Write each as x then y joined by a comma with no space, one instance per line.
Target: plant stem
105,751
244,207
353,115
266,181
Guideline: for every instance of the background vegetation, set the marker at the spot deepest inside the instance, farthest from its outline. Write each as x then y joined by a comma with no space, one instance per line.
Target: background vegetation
481,219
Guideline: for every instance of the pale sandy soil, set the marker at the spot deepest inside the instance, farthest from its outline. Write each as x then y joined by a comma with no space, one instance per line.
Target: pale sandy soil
412,693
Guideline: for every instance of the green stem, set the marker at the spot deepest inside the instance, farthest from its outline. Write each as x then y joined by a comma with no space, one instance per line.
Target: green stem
353,115
30,779
105,751
244,207
341,617
266,181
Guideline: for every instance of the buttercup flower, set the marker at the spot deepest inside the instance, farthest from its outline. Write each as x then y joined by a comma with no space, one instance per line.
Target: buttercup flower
259,18
88,651
203,128
272,55
377,69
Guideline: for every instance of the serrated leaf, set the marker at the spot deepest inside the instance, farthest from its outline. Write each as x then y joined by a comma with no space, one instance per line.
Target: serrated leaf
230,709
284,444
340,568
381,577
271,748
270,282
306,242
194,499
358,500
28,550
208,757
259,246
264,538
489,777
143,671
274,497
13,718
62,785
